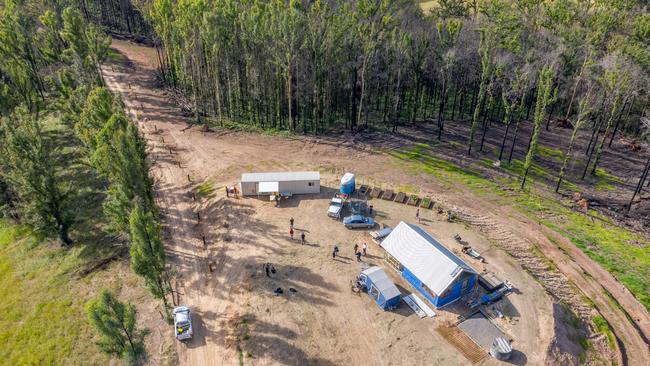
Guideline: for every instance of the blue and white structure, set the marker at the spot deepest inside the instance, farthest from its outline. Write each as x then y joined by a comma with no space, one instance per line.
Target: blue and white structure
437,273
381,288
347,183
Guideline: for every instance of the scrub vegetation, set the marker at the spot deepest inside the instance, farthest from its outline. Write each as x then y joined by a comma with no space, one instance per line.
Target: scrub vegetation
622,252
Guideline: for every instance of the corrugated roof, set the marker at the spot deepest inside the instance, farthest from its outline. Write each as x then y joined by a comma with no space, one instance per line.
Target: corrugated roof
279,176
431,262
381,281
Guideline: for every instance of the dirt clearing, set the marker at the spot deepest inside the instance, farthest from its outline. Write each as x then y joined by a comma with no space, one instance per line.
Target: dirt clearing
238,318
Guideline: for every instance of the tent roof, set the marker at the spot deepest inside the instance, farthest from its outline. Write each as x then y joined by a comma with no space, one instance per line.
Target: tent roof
381,281
279,176
431,262
268,187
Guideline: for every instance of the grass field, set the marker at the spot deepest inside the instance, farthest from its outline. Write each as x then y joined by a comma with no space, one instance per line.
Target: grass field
622,252
42,316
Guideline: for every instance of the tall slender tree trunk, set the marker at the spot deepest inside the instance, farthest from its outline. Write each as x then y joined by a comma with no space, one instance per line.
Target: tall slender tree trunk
639,186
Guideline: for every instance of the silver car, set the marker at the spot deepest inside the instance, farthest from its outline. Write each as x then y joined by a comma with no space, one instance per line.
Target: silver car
183,323
358,221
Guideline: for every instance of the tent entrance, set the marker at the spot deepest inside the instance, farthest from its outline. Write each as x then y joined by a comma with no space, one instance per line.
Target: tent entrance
374,293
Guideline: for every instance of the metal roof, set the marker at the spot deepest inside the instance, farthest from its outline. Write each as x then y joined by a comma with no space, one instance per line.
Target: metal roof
431,262
279,176
381,281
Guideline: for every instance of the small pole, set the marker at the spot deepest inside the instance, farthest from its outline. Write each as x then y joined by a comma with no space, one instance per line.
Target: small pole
204,242
193,197
155,128
198,216
162,139
179,164
170,151
188,178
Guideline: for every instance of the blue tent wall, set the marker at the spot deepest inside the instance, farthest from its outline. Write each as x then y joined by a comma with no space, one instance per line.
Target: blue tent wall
381,300
392,303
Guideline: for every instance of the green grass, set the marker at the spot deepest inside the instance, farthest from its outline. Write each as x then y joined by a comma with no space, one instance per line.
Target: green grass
205,189
603,241
605,180
550,153
603,327
114,56
42,317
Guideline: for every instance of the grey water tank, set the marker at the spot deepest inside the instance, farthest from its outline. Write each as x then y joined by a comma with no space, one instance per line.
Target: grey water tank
501,349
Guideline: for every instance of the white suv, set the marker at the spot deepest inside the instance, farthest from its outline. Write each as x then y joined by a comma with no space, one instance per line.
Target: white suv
183,323
336,205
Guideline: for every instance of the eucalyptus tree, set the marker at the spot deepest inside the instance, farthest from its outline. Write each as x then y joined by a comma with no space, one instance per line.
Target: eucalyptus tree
585,108
500,30
286,20
374,20
616,82
447,32
513,93
545,95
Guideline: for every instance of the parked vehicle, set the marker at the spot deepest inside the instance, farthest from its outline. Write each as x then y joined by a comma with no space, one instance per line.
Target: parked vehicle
358,221
336,206
183,323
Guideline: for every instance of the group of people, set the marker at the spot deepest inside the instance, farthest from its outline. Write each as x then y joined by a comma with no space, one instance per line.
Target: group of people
335,252
363,251
291,232
232,190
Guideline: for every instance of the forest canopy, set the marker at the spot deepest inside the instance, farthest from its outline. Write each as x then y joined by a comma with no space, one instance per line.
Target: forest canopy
309,65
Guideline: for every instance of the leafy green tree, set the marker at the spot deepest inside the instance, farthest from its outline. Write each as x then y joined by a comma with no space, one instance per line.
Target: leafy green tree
147,254
94,116
33,166
116,324
86,42
121,157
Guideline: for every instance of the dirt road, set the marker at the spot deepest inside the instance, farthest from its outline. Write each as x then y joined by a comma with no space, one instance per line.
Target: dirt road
237,317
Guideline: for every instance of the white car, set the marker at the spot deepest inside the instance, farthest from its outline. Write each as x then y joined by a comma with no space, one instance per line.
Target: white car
183,323
336,205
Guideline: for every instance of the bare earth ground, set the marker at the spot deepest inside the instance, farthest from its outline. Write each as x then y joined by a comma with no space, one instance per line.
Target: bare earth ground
237,316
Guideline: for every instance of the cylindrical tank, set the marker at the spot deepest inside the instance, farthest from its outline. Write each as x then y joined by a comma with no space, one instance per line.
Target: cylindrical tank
501,349
347,183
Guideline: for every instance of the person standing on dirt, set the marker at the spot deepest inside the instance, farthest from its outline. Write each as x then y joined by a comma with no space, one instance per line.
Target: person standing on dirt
227,192
291,232
358,254
267,269
335,251
291,222
356,248
365,249
302,238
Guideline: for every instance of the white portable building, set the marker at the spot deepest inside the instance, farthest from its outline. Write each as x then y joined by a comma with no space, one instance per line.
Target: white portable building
253,184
